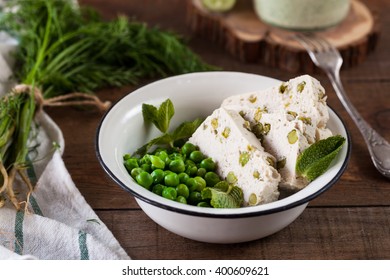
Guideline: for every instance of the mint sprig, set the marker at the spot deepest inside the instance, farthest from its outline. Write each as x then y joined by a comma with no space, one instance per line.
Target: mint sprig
315,160
224,195
161,118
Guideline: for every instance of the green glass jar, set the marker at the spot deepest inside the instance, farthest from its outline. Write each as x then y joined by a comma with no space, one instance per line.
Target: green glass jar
302,14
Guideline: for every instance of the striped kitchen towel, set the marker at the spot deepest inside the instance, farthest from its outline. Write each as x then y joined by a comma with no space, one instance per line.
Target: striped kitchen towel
59,223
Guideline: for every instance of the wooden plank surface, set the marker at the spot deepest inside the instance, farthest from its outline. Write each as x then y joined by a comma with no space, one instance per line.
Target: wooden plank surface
349,221
319,233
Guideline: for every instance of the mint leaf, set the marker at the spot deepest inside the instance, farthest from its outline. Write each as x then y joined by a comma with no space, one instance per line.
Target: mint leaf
315,160
149,112
237,194
160,117
186,129
164,139
222,186
164,115
223,195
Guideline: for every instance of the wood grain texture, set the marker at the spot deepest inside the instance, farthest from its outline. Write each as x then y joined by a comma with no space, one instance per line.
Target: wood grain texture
248,38
349,221
319,233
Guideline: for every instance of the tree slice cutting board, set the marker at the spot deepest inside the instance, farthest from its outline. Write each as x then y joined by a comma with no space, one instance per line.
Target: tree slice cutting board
245,36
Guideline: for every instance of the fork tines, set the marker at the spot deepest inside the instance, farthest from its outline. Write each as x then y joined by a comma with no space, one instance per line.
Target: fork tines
311,41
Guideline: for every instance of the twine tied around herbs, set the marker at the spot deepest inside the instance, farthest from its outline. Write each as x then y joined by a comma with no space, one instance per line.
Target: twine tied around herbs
74,98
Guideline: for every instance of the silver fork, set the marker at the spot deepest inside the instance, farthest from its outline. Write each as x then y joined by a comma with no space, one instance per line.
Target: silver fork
328,58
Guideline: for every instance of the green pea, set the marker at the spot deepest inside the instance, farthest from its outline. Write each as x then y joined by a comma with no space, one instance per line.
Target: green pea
147,167
182,190
126,157
189,162
203,204
183,177
196,156
201,172
188,148
191,170
131,163
194,198
208,164
191,184
175,156
181,199
211,178
145,159
158,176
158,189
169,193
135,171
157,163
144,179
200,182
163,155
177,166
196,184
171,180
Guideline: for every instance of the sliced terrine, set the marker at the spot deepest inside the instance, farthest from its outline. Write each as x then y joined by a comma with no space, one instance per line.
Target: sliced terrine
303,97
240,158
287,119
282,136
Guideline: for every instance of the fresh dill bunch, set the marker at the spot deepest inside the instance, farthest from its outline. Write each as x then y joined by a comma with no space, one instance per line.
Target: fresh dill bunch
16,114
64,48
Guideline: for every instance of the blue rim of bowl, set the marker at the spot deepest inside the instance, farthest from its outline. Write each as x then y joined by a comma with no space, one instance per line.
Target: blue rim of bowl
225,215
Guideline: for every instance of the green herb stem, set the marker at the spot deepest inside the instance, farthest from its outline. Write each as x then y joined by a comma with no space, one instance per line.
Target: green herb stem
25,121
41,51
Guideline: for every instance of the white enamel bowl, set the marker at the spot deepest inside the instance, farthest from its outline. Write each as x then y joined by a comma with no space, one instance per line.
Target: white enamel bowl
122,130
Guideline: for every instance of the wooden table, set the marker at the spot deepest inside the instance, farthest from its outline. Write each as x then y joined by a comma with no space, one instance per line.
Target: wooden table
349,221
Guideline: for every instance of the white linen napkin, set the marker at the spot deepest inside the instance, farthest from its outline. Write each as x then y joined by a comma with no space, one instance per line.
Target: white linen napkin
59,223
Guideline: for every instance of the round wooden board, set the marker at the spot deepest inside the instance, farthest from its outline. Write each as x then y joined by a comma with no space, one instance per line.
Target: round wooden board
246,37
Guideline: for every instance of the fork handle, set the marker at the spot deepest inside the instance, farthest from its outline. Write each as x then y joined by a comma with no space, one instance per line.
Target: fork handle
378,147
